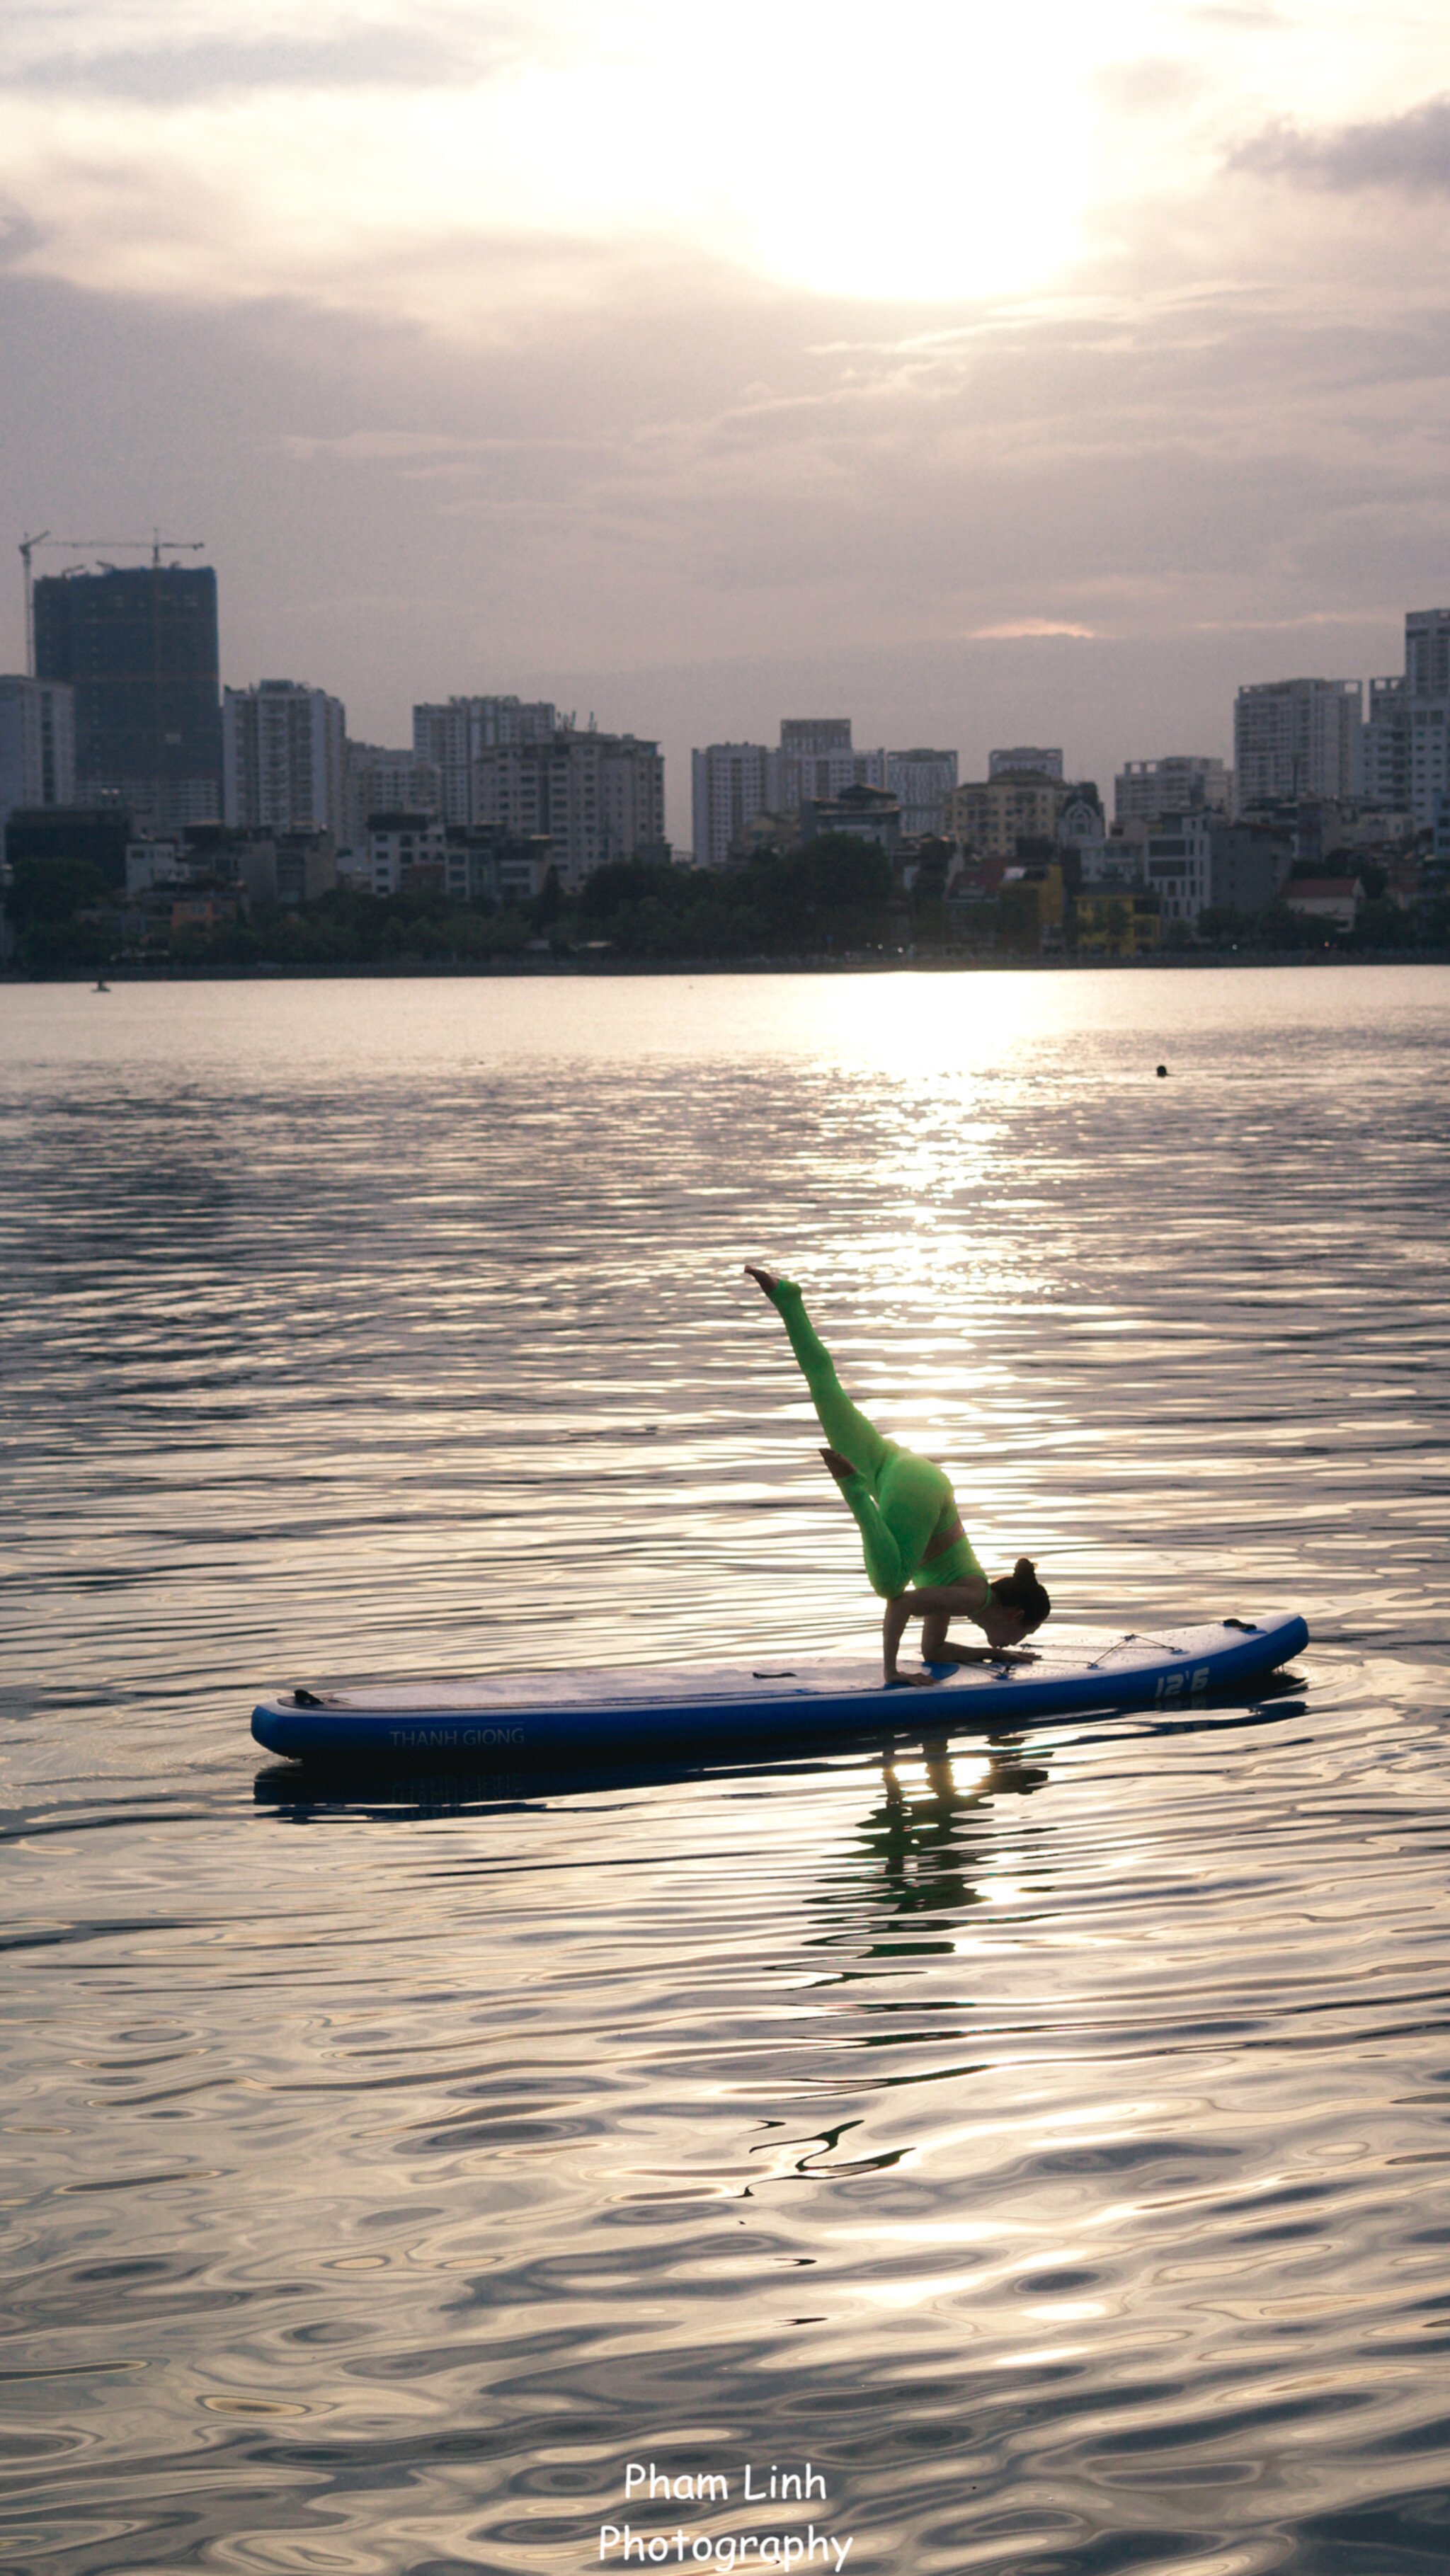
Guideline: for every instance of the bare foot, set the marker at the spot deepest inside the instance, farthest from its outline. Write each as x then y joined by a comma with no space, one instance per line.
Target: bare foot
840,1467
765,1280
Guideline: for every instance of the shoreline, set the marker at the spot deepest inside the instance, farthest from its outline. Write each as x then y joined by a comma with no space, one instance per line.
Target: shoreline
405,968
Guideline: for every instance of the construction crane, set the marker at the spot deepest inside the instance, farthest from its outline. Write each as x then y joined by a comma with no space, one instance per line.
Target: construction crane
26,545
158,544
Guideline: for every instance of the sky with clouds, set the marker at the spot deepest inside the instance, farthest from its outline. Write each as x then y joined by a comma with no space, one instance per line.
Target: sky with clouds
985,375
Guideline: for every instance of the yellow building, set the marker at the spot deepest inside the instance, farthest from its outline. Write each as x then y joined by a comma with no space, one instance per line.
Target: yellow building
990,815
1031,907
1112,921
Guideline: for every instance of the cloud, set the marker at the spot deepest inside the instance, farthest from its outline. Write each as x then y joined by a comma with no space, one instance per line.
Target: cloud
19,235
165,51
399,446
167,74
358,201
182,152
1408,153
471,383
1252,20
1152,86
1014,629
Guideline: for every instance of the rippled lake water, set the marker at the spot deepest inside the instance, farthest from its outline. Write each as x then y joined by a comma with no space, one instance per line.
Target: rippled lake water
1044,2139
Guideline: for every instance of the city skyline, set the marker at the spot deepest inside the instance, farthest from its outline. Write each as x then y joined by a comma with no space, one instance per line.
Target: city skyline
1221,724
284,753
554,354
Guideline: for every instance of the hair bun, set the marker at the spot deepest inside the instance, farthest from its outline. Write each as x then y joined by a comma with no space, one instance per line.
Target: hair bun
1025,1570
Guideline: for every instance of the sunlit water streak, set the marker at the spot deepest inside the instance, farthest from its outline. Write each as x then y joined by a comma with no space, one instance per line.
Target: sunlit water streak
1046,2139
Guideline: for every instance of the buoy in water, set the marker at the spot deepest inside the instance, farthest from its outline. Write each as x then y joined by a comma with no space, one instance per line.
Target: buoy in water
1163,1073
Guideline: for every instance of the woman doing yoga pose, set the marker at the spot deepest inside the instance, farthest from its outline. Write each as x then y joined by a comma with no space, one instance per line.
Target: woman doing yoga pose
911,1530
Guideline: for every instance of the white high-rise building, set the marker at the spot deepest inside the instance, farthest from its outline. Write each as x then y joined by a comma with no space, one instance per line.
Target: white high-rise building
728,788
37,744
597,796
1407,750
451,738
1183,782
1387,737
921,782
1407,737
284,758
1296,738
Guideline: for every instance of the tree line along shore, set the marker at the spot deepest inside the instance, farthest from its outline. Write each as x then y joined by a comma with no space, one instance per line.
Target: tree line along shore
837,901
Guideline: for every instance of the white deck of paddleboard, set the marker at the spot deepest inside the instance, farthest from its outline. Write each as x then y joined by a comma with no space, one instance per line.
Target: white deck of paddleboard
1180,1659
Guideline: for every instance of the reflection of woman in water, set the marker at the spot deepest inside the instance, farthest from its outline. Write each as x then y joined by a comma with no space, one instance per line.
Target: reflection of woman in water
911,1530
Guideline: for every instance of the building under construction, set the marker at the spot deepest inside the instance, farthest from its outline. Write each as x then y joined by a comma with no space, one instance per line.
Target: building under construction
139,649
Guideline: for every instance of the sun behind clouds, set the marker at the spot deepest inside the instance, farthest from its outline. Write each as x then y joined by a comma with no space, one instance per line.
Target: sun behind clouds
936,152
440,161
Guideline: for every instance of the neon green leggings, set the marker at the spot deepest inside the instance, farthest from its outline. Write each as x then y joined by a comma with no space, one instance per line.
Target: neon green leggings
899,1501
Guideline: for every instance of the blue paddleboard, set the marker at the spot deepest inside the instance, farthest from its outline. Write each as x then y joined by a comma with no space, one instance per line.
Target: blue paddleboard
688,1709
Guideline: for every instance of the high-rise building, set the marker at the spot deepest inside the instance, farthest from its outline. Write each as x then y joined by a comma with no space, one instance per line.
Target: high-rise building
814,737
729,788
1427,652
597,796
379,781
1407,737
991,815
1387,740
1296,738
283,758
451,738
1183,782
139,650
733,782
921,782
816,760
1025,755
37,744
1407,750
